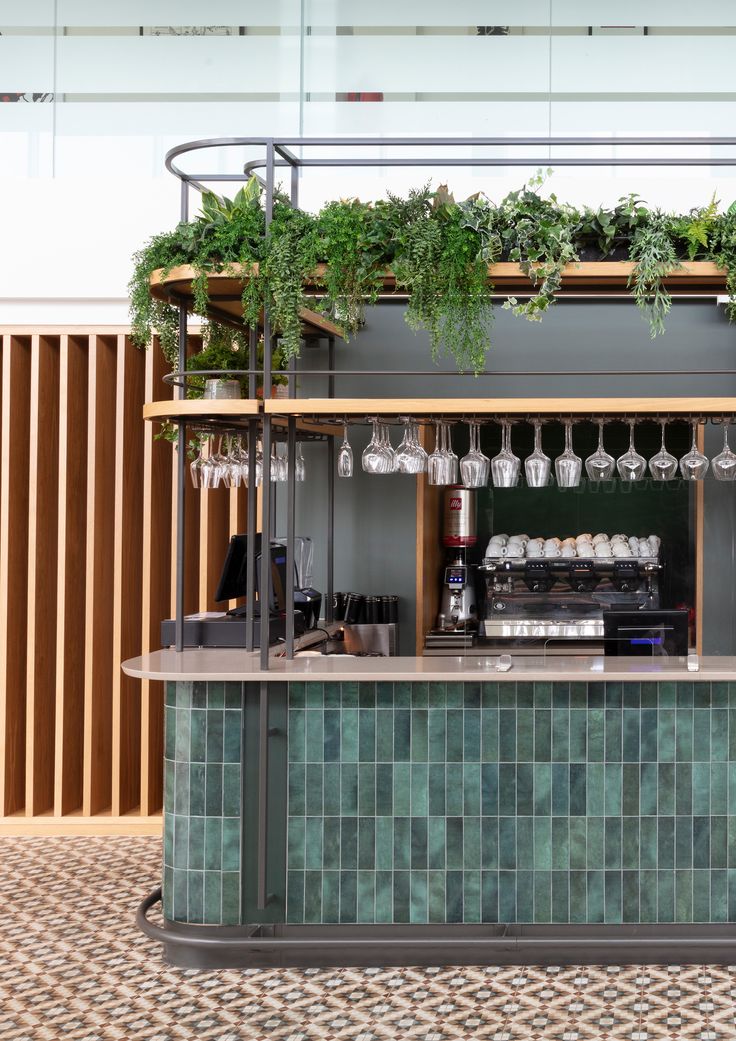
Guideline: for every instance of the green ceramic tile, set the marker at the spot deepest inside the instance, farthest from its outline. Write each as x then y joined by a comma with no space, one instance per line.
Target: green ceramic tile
197,789
560,788
297,790
630,750
718,842
349,843
454,838
471,789
213,844
596,695
402,896
560,735
454,695
331,843
525,695
543,844
348,896
684,788
542,695
297,696
731,887
560,911
507,896
314,789
437,697
332,696
349,694
578,695
684,694
489,695
489,896
436,735
330,896
719,695
595,787
596,730
313,837
701,896
648,886
666,789
402,735
578,841
385,736
701,735
489,842
419,800
649,695
315,736
384,695
402,789
181,842
666,737
230,844
525,723
454,736
542,736
182,752
436,843
402,695
312,896
525,843
366,843
719,735
234,696
507,789
366,789
683,842
402,843
613,897
195,856
331,795
384,843
366,897
295,897
367,695
542,788
506,736
666,842
542,897
331,750
578,735
630,843
213,790
684,735
314,695
454,789
525,896
295,843
683,896
578,789
612,740
297,734
213,897
613,842
384,789
194,694
667,695
231,790
578,897
384,897
630,896
471,735
215,695
596,896
436,789
418,898
648,735
489,789
506,842
701,791
596,843
419,736
507,695
701,838
630,789
348,789
367,736
614,695
231,737
631,695
612,780
471,843
454,896
525,789
471,695
719,896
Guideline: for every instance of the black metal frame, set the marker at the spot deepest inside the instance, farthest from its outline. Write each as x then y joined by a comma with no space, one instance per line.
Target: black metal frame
279,152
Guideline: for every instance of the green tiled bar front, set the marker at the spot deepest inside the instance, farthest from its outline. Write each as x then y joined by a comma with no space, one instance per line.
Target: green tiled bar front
511,802
202,803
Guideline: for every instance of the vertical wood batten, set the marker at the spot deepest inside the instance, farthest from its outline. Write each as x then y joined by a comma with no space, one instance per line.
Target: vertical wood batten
43,518
99,662
71,588
14,480
157,513
127,583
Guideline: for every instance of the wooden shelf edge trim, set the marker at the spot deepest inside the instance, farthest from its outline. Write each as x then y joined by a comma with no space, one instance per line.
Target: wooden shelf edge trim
498,406
160,410
98,824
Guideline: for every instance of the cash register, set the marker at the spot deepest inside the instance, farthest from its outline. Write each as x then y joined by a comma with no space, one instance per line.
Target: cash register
228,628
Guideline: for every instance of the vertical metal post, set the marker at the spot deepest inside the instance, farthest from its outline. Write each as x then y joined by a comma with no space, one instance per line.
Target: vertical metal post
290,518
266,496
330,491
252,519
262,887
181,460
295,186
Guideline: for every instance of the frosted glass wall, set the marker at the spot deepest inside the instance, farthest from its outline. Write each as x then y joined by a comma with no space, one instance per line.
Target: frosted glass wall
93,93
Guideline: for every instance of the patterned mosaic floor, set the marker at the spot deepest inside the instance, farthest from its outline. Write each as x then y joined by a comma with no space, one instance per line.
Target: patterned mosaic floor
91,976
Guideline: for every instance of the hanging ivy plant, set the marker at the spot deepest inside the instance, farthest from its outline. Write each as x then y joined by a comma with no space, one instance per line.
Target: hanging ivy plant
439,250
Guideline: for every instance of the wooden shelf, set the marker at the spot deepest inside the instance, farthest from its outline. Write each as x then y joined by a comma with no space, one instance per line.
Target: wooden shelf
499,406
225,290
217,412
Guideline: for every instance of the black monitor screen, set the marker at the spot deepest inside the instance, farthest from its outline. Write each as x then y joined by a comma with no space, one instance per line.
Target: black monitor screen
646,633
233,580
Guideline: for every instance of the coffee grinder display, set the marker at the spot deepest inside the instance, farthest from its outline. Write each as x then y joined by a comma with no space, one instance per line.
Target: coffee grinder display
458,611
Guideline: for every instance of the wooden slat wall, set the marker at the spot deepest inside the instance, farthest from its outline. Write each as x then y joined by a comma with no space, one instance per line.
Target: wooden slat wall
87,522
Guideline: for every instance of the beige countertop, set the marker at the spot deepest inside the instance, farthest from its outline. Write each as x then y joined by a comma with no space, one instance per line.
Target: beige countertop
236,665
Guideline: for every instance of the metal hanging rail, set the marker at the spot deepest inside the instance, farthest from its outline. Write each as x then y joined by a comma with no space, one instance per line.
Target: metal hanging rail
279,152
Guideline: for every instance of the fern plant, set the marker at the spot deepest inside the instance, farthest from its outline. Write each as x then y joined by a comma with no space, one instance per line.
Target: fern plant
655,257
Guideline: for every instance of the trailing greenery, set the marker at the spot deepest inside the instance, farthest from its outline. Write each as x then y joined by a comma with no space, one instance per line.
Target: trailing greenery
438,249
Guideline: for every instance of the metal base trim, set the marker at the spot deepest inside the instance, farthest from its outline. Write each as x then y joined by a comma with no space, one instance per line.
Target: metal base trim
211,947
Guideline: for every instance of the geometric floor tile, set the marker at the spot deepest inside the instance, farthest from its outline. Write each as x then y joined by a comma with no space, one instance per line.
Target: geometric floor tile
73,966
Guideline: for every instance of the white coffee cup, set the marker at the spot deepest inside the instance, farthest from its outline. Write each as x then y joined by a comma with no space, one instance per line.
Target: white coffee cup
585,549
553,543
495,549
621,549
603,549
568,551
552,551
597,539
514,549
503,538
655,542
645,550
517,540
534,548
584,537
568,542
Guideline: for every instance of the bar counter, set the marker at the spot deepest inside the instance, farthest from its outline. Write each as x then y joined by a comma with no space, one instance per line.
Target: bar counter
420,810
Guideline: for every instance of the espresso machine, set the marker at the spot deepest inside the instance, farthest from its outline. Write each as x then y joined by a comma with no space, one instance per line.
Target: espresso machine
457,618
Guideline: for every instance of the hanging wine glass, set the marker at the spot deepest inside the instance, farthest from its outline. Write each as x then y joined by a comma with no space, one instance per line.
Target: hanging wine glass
537,466
724,464
631,466
505,466
694,465
410,457
435,462
568,466
474,467
197,463
663,465
600,466
345,456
